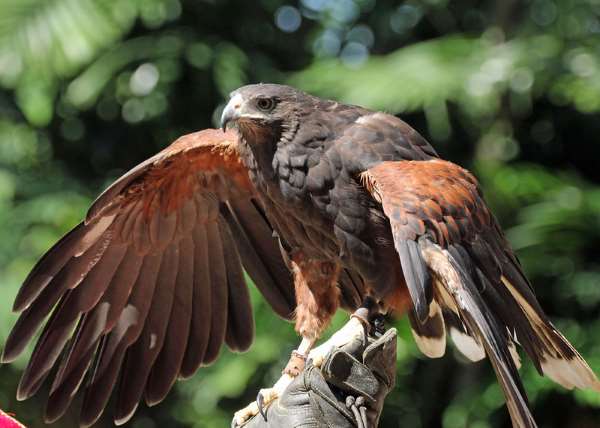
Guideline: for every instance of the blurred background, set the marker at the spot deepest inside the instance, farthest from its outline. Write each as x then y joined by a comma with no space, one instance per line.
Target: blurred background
509,89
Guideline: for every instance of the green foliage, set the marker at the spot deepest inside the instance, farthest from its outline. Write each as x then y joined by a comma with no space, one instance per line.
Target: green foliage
508,89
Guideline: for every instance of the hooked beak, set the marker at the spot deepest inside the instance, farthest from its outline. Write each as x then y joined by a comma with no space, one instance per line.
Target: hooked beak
232,111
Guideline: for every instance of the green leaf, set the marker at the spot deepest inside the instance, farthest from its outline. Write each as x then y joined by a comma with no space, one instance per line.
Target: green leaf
43,41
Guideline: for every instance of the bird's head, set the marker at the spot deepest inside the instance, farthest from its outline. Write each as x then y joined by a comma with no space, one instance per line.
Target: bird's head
263,112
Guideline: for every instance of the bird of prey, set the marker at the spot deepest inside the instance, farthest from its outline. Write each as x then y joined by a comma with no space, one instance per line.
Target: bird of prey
325,205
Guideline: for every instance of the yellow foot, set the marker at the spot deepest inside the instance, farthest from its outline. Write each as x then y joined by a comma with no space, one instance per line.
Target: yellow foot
265,397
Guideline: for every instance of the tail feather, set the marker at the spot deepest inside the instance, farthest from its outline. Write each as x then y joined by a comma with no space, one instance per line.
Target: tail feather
483,322
559,360
466,342
430,335
514,300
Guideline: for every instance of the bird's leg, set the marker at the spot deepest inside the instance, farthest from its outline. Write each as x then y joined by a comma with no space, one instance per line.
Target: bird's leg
292,369
355,329
317,297
299,356
266,396
359,322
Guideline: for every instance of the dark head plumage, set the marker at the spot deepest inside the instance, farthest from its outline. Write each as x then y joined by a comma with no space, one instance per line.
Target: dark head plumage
260,108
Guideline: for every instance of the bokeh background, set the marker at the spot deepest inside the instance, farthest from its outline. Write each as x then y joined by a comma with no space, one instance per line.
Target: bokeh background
509,89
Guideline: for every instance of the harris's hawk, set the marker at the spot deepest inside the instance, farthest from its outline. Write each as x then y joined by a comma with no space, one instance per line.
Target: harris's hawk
324,205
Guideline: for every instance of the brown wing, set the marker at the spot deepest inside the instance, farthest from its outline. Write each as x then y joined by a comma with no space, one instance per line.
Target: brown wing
150,285
460,270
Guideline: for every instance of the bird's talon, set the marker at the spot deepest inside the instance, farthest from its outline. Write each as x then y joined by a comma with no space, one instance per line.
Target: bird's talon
242,416
260,402
349,401
357,406
378,323
363,415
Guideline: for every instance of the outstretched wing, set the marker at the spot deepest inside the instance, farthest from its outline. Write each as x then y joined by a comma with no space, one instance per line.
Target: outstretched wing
461,273
151,284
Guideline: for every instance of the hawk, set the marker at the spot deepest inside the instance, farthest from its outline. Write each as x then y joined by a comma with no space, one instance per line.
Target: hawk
324,205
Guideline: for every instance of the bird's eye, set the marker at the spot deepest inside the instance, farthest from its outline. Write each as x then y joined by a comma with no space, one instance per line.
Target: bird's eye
265,104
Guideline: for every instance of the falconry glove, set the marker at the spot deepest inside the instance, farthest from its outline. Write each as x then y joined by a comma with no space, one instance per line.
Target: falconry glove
348,391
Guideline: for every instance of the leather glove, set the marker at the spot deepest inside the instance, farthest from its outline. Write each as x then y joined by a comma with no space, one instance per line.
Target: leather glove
348,391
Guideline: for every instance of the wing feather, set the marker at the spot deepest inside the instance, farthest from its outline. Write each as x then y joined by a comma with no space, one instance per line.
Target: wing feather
67,278
240,324
416,276
440,223
150,286
141,356
249,226
66,383
351,287
78,301
47,268
201,306
167,366
114,346
218,294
